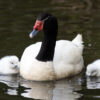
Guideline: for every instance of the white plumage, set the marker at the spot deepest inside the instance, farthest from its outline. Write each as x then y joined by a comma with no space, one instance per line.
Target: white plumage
93,69
68,61
9,65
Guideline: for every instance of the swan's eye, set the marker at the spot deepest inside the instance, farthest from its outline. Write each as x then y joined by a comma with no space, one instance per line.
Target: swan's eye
11,62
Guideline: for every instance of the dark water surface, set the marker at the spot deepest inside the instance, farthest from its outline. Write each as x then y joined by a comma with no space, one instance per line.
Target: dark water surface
17,18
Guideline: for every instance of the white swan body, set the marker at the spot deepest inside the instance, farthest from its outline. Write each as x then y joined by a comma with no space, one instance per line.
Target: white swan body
68,61
9,65
93,69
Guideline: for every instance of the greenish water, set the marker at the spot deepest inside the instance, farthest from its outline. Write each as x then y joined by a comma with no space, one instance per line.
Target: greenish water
17,18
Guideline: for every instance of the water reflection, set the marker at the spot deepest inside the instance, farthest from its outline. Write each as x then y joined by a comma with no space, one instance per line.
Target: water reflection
59,90
56,90
12,82
92,90
38,90
65,89
93,83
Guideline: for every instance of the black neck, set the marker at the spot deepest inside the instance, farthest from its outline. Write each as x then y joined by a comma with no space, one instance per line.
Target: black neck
46,52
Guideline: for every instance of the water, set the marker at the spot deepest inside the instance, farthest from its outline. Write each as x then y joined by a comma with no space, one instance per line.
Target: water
75,16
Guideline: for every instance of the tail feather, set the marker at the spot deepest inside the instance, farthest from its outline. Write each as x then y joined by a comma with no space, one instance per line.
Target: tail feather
78,41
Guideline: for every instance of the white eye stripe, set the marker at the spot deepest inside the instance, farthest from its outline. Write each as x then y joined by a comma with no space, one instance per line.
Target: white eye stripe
45,18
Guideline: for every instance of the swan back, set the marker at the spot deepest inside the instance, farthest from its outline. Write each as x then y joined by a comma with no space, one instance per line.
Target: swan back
68,59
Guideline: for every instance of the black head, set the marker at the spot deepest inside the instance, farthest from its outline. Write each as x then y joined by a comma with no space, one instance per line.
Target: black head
43,16
46,22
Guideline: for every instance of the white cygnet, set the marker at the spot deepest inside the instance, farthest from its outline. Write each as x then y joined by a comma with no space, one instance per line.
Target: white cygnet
93,69
9,65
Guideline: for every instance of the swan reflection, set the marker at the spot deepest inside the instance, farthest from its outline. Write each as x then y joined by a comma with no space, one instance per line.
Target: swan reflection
12,82
58,90
38,90
93,83
54,90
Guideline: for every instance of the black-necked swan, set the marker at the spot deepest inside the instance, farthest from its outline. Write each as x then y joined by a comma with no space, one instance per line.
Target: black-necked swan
49,60
93,69
9,65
